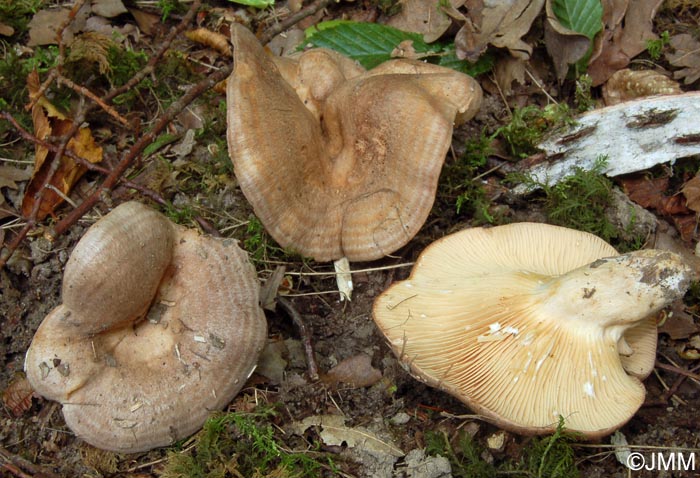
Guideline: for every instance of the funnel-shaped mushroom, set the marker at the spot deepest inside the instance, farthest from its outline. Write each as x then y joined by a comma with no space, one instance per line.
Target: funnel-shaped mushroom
339,162
527,322
159,326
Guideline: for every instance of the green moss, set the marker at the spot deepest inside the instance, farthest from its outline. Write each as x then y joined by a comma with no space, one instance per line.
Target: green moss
529,125
18,13
580,201
656,47
465,455
459,187
547,457
243,444
552,456
259,244
583,96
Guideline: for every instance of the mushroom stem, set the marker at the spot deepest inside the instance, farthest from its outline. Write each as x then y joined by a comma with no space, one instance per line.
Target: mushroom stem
618,292
343,278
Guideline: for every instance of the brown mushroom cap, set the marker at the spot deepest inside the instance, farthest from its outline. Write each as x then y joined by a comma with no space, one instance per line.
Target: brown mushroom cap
144,382
524,323
354,172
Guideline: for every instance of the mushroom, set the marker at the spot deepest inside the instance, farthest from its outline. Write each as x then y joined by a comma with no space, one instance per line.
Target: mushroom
526,323
337,161
159,326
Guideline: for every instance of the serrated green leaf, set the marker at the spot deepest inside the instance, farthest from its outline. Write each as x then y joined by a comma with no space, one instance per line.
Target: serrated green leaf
372,43
582,16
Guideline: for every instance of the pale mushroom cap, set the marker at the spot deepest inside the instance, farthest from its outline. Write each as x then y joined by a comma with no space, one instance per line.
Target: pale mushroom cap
641,356
354,172
148,384
520,323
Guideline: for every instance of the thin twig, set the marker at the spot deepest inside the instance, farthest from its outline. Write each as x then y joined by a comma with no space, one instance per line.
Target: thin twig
293,20
678,370
136,150
305,333
36,470
165,45
97,100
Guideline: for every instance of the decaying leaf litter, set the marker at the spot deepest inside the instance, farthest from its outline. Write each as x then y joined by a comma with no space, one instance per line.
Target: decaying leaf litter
366,416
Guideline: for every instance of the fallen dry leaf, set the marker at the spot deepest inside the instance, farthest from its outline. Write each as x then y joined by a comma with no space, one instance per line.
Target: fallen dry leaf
502,24
639,28
629,84
691,191
678,324
6,30
685,56
148,23
9,175
356,371
17,397
626,31
565,46
213,40
49,121
507,70
108,8
426,17
334,432
650,193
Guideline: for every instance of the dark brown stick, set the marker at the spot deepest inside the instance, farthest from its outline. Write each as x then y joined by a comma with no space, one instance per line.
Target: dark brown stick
305,333
36,470
678,370
136,150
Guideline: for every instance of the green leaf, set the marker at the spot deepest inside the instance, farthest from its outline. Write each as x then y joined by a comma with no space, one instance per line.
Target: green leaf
582,16
372,43
368,43
255,3
449,60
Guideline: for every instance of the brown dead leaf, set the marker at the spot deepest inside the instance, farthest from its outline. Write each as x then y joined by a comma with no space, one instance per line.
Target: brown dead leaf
356,371
45,24
507,70
678,324
9,175
685,56
17,397
501,24
148,23
639,28
426,17
49,121
626,31
686,225
628,84
213,40
649,193
108,8
691,191
6,30
645,191
565,46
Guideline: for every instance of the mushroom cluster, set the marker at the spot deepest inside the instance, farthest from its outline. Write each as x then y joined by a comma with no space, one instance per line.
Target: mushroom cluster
526,323
338,161
159,326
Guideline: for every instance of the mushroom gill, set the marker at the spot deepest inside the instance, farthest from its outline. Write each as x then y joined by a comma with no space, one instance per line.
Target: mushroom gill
524,323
